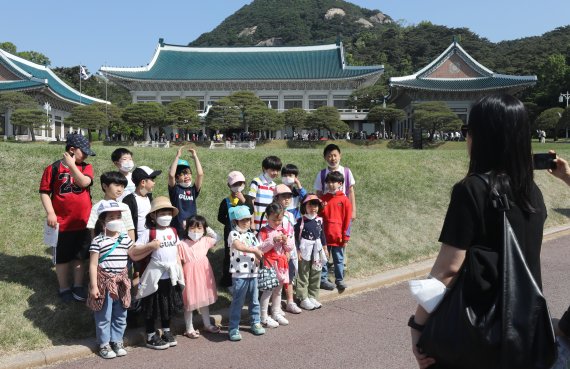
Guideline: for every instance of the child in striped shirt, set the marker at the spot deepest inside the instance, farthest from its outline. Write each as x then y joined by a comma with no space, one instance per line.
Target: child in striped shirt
261,189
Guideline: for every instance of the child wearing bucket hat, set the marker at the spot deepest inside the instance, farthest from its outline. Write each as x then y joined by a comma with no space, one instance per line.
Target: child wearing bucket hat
182,192
236,185
245,255
109,287
161,281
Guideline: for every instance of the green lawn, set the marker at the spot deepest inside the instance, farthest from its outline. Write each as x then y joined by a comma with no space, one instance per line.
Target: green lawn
402,196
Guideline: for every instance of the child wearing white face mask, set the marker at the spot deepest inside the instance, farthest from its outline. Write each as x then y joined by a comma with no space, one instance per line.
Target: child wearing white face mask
162,279
123,160
236,184
200,290
182,191
109,289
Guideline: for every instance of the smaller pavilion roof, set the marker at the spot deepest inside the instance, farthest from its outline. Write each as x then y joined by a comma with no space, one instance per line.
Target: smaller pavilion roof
456,71
23,75
183,63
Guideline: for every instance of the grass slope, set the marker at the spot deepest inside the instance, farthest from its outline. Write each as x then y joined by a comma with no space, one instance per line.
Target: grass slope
402,196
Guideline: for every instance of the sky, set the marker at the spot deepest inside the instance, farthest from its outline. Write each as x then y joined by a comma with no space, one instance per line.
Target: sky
126,32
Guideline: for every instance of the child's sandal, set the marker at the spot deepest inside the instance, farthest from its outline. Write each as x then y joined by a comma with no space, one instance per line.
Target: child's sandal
213,329
192,334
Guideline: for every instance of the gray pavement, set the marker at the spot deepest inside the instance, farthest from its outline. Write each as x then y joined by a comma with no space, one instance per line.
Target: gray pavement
359,329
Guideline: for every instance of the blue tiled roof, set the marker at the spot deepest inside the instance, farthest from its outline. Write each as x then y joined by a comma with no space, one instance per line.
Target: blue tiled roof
35,75
486,83
181,63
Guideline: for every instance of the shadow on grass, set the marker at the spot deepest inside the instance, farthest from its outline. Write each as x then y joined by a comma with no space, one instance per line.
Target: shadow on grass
59,322
565,212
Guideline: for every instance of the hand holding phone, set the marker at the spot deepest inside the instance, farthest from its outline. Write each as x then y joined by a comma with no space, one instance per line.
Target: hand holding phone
544,161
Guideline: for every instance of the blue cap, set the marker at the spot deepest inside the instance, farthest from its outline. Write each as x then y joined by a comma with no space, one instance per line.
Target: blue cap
80,142
183,163
239,212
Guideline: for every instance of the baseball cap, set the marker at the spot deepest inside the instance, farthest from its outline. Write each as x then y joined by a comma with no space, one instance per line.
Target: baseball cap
235,177
80,142
182,163
144,172
281,189
108,205
239,212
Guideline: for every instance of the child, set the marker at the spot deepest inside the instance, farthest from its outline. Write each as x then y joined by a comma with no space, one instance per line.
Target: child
336,213
123,160
65,196
290,178
283,196
261,189
236,184
113,184
140,200
200,290
311,243
181,190
243,254
162,278
275,245
109,288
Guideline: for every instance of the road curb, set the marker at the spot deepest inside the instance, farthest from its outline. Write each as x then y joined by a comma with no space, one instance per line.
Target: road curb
135,337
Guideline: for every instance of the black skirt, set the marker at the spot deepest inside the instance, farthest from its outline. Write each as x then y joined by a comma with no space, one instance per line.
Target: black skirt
164,303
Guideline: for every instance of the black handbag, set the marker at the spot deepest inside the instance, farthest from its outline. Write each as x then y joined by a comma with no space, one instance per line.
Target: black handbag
266,277
513,331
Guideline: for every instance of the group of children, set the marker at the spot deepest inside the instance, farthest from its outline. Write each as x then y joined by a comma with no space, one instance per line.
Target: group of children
151,253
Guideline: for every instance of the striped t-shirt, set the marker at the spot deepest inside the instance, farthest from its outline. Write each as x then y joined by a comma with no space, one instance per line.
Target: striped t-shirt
117,260
261,191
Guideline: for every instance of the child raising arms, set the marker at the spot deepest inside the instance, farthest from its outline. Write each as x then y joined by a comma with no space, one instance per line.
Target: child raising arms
200,290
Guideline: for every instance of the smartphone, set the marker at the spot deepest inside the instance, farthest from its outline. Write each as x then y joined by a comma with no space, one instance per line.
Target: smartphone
544,161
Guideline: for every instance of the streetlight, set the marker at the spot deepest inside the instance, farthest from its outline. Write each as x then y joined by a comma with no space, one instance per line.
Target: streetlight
47,108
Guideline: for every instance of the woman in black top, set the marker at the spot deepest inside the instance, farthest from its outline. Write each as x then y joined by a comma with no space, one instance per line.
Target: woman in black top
498,143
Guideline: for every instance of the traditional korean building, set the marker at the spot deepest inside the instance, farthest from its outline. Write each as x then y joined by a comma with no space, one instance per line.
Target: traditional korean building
38,81
284,77
455,78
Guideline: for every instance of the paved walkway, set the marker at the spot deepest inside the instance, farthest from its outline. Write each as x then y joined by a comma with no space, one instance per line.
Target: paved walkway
362,330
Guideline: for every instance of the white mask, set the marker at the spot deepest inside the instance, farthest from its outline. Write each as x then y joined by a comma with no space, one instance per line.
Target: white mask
143,191
267,177
164,220
311,216
195,236
127,165
114,225
237,188
288,181
336,166
239,229
185,184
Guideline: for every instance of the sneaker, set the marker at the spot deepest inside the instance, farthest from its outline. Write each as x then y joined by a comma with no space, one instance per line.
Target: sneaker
79,293
327,285
66,296
106,352
257,329
269,323
315,303
280,319
168,337
118,348
235,335
157,343
293,308
341,286
307,304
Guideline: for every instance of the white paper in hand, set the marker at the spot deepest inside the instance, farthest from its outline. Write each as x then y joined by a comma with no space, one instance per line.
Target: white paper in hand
427,292
50,235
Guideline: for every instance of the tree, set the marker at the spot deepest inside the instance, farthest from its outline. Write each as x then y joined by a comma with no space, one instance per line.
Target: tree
35,57
548,120
388,115
328,118
263,119
224,115
144,115
366,97
9,47
435,116
16,100
183,114
245,100
89,117
295,118
30,118
564,122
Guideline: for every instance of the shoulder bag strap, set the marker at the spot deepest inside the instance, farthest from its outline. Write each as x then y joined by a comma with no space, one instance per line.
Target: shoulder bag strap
119,240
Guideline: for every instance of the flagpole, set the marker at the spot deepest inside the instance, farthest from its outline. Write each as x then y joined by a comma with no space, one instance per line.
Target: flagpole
80,83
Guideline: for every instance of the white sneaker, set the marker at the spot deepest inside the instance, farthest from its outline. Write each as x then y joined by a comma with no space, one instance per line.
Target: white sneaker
280,319
293,308
269,323
307,304
317,304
